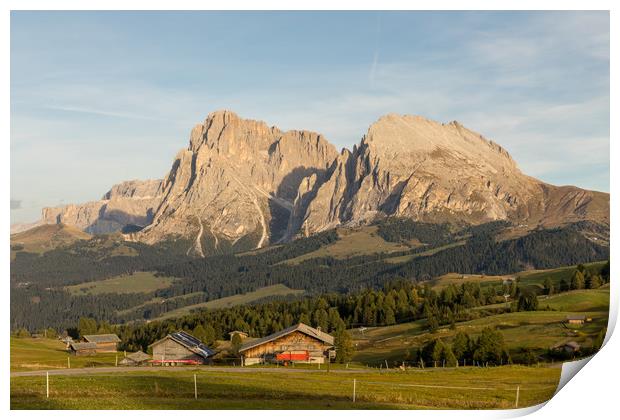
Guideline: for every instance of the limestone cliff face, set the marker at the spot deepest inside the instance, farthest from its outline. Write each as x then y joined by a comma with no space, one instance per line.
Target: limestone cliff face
413,167
130,203
235,183
241,184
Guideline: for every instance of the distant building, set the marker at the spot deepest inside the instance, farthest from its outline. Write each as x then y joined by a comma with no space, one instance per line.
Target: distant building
106,343
570,347
82,349
241,334
298,343
138,358
180,348
576,319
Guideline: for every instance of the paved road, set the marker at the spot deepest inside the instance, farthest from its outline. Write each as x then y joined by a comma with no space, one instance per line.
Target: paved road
87,371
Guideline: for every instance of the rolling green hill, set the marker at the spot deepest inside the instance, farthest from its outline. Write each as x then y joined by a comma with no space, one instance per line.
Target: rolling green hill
139,282
235,300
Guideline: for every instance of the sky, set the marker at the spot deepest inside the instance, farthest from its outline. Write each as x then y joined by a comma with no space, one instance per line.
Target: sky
102,97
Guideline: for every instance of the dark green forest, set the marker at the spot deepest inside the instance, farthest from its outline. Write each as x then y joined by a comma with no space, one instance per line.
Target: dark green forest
38,299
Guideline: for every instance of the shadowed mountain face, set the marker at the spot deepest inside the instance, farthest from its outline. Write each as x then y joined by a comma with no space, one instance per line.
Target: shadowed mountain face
416,168
242,184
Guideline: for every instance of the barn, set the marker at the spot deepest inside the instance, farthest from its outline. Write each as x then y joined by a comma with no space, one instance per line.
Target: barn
180,348
106,343
82,349
576,319
299,343
138,358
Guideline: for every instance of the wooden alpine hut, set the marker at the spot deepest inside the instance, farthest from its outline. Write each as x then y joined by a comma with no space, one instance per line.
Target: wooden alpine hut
138,358
106,343
180,348
82,349
296,344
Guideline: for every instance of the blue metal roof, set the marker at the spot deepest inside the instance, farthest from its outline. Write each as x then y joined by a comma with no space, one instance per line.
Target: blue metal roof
192,343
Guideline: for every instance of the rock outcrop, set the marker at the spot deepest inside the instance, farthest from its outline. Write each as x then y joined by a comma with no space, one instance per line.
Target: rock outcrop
242,184
412,167
128,205
235,184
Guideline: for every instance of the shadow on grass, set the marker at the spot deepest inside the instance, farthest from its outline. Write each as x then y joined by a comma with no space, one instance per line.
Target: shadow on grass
164,392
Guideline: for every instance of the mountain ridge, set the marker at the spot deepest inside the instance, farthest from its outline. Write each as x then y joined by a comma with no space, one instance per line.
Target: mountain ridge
241,184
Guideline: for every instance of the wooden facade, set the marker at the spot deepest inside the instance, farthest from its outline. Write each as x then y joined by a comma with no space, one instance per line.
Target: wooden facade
106,343
82,349
300,343
168,349
180,348
576,319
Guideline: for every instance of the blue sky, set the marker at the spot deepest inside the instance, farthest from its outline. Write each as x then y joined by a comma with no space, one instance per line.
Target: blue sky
101,97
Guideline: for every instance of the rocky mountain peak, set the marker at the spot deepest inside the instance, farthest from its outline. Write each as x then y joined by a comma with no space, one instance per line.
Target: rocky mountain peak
242,184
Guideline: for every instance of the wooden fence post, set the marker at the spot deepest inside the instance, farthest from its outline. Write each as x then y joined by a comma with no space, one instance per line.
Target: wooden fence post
354,383
68,362
195,388
517,399
47,384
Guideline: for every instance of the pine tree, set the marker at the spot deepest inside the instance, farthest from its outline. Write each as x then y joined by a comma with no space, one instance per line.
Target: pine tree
461,345
593,281
344,346
527,302
449,357
200,333
235,344
548,285
87,326
577,280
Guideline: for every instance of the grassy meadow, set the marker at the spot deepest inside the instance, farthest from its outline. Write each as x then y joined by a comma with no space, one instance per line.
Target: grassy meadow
459,388
46,353
353,242
539,330
138,282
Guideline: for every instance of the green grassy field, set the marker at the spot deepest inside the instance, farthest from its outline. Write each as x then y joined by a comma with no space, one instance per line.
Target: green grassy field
138,282
464,388
530,278
577,300
537,329
44,238
354,242
235,300
42,353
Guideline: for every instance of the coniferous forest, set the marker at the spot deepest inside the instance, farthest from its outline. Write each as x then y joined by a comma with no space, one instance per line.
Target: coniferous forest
39,298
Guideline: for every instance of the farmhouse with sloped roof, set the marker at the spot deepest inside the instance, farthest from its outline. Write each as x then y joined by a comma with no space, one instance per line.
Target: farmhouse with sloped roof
299,344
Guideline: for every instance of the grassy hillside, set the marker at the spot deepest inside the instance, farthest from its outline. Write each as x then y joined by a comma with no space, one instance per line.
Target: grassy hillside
235,300
354,242
532,278
45,353
538,330
139,282
44,238
462,388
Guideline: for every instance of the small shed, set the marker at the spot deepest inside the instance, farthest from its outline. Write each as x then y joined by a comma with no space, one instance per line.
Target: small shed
576,319
180,348
106,343
138,358
298,343
241,334
82,349
571,347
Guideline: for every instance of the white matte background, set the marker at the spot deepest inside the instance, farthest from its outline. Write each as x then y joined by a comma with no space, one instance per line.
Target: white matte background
593,394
